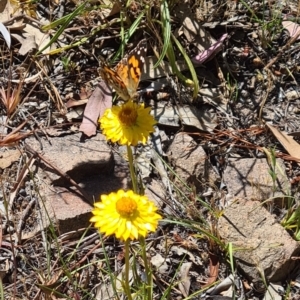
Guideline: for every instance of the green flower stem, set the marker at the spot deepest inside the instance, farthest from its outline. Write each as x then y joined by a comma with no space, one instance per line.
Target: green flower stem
147,270
131,167
127,286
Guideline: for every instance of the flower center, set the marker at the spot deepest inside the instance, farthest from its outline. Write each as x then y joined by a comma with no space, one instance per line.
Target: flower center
128,116
126,207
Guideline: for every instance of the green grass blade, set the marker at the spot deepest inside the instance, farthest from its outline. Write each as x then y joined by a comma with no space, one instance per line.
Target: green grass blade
1,290
190,66
128,34
230,252
196,227
83,39
56,23
76,12
166,28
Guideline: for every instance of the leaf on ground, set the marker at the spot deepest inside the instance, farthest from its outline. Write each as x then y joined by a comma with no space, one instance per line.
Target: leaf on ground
8,157
74,103
28,45
178,250
197,35
194,32
160,263
185,282
188,115
201,119
6,11
12,139
100,100
213,269
292,27
289,144
17,26
5,34
211,51
29,36
115,9
77,99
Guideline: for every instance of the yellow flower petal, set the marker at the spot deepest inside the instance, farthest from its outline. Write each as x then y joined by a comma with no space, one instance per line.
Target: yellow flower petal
127,124
125,214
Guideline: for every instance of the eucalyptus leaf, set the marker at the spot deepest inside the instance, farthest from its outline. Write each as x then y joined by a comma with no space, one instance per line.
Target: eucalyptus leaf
6,34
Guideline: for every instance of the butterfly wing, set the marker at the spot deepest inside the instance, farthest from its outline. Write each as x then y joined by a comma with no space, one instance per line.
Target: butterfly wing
125,77
115,81
130,68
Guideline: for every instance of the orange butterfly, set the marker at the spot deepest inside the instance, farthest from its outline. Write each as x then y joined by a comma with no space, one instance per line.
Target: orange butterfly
125,77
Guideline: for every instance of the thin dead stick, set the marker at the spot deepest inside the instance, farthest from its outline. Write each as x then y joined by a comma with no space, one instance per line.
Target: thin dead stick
288,44
22,219
21,16
14,136
25,80
87,255
20,179
61,173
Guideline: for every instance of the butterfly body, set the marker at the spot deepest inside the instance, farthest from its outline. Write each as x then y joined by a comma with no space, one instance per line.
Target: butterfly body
125,77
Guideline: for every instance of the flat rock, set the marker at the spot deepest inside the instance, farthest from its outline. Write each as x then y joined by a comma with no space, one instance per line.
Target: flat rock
90,164
77,159
250,178
260,244
190,163
155,191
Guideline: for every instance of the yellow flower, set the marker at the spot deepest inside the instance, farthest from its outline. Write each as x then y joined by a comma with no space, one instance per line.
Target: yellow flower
125,214
127,124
